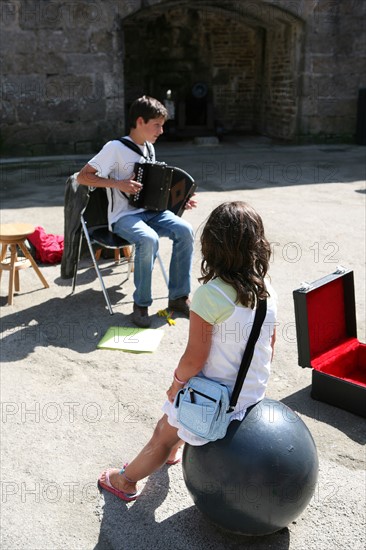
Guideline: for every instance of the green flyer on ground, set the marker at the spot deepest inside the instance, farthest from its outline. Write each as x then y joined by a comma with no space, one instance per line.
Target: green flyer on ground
138,340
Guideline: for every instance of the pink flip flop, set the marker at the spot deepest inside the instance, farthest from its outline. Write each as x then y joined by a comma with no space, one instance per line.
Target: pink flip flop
127,497
177,460
172,462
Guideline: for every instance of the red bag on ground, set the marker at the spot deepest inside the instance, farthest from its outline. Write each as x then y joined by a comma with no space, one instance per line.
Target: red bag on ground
49,248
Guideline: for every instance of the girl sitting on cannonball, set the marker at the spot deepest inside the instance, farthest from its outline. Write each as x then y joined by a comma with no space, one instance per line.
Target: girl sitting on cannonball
235,262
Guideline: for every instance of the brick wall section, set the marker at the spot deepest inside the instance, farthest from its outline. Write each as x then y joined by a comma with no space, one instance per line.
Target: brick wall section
234,54
280,98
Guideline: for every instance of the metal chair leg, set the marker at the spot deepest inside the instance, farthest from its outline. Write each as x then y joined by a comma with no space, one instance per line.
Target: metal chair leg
90,246
163,269
77,263
84,231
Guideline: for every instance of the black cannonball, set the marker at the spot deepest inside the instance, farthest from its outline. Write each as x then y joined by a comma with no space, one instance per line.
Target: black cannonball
260,477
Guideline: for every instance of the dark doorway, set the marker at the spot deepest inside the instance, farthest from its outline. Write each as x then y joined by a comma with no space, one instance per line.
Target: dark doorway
222,73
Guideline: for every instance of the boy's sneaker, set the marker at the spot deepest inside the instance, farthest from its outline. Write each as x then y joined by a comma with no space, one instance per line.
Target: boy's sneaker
180,305
140,316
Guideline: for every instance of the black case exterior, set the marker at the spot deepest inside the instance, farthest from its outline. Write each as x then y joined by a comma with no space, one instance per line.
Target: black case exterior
338,392
327,387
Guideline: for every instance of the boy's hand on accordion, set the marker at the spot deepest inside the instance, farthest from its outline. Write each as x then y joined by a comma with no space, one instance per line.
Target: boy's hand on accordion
128,186
191,203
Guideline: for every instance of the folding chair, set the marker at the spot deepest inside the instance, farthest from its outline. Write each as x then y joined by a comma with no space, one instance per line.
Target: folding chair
95,231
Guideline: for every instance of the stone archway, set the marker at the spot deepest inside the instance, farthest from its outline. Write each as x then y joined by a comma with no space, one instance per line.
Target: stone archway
230,67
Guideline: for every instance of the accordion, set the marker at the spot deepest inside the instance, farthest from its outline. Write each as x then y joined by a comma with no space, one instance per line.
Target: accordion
163,187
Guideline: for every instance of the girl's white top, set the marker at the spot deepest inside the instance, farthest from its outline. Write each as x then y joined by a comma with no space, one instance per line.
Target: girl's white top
232,323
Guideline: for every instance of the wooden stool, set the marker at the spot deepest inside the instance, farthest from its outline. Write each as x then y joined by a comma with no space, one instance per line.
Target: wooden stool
127,252
13,235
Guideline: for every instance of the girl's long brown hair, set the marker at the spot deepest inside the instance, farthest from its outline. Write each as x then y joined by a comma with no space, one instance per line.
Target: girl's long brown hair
235,249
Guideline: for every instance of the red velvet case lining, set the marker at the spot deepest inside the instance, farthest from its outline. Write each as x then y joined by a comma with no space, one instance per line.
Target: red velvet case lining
332,351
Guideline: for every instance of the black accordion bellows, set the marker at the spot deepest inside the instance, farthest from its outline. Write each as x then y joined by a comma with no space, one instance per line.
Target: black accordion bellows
163,187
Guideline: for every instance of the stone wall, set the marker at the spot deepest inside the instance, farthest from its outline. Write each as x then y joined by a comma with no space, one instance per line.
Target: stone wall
334,68
62,84
280,101
287,69
236,51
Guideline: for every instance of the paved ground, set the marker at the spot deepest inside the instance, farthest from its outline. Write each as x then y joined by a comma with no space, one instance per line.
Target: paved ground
69,410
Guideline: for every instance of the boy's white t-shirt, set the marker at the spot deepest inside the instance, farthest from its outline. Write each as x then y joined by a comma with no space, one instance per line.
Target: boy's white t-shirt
117,161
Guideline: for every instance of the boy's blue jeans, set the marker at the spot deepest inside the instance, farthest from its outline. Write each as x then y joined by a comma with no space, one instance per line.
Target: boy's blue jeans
143,230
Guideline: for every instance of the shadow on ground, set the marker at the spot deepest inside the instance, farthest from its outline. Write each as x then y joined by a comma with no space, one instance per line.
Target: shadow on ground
122,522
76,322
351,425
240,164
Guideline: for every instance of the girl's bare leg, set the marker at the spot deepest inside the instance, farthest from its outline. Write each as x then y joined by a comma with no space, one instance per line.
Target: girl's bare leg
152,457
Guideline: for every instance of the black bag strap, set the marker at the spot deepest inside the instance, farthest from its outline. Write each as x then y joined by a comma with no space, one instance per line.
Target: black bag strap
249,351
132,145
